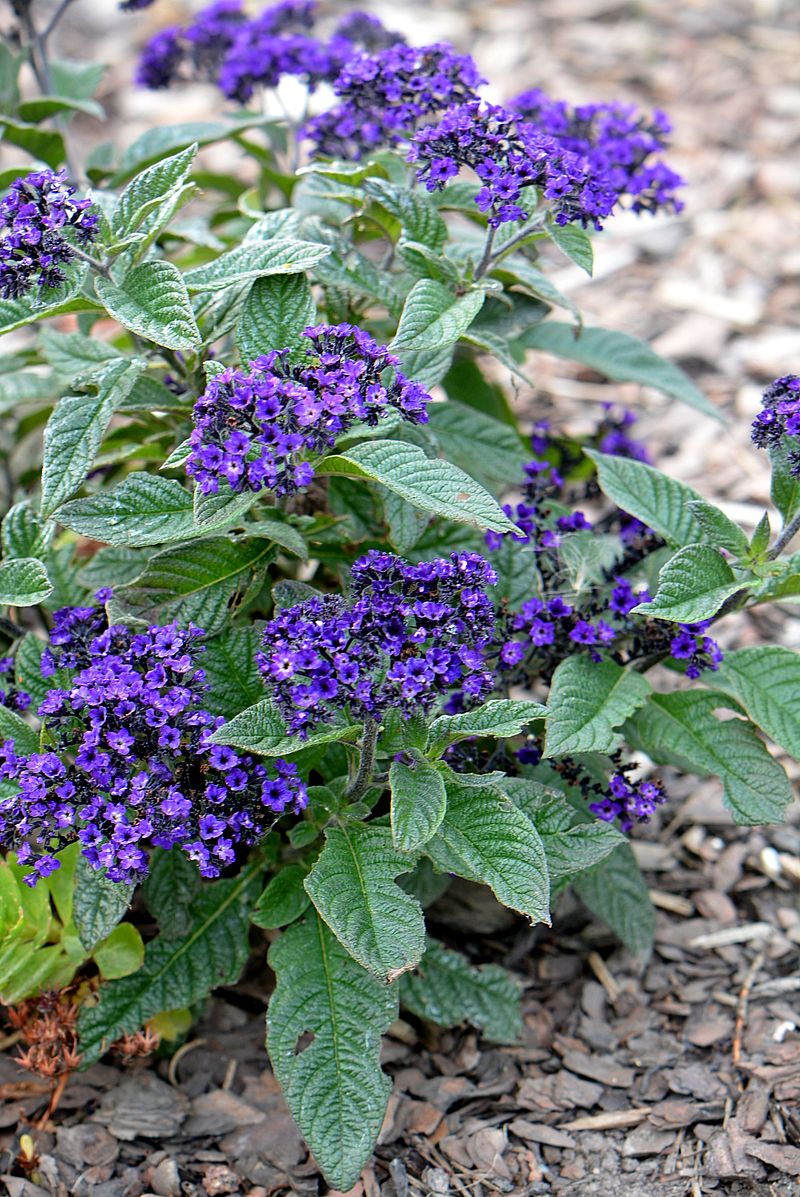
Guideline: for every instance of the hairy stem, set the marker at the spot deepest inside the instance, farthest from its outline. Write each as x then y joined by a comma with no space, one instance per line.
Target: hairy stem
787,535
360,783
486,259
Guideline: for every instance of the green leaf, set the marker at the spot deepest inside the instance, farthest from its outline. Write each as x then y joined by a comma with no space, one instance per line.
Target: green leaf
25,739
40,143
692,586
572,841
176,972
120,953
195,583
334,1085
430,484
283,900
616,892
719,530
153,303
79,80
157,142
419,801
619,357
231,671
500,717
98,904
58,301
589,557
661,503
71,354
23,582
574,242
588,699
274,315
170,890
75,430
352,886
484,838
254,261
416,212
478,444
145,510
260,729
434,317
765,679
681,728
405,524
447,990
518,270
147,192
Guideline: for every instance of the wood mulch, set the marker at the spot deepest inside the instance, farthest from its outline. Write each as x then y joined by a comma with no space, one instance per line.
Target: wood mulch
675,1077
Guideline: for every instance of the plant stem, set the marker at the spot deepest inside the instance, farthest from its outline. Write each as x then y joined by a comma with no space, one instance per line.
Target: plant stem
100,267
486,258
360,783
534,223
787,535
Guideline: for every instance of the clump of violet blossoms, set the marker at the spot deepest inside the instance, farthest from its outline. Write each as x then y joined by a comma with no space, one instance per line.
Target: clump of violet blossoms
128,764
779,418
409,635
253,428
37,219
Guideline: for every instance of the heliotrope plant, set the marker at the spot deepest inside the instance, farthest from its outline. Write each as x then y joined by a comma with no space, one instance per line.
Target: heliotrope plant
301,618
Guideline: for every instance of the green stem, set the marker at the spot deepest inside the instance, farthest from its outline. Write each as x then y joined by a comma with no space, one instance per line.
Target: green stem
486,259
360,783
787,535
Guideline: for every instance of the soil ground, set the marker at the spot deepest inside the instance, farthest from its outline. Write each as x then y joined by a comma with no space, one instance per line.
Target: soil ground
675,1077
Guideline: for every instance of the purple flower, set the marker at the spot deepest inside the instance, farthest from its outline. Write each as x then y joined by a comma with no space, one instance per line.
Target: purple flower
779,418
252,429
700,652
38,221
410,635
629,801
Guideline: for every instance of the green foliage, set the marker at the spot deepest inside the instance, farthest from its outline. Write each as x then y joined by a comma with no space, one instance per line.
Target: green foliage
23,582
419,802
588,699
447,990
692,586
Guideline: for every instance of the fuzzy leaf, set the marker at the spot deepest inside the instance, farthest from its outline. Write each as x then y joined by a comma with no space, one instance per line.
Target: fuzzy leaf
574,242
765,679
283,900
231,671
692,586
681,728
147,192
588,699
98,904
658,501
419,800
477,443
260,729
500,717
153,303
447,990
274,315
352,886
719,529
434,317
176,972
484,838
430,484
254,261
334,1085
23,582
170,890
616,892
13,728
619,357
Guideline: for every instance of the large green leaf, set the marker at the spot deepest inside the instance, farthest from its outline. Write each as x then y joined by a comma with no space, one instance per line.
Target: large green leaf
260,729
13,728
419,800
170,890
24,533
274,315
692,586
587,700
153,303
333,1084
572,842
434,317
23,582
658,501
484,838
416,212
428,483
248,262
616,892
682,729
352,886
766,681
178,971
620,357
72,353
75,429
149,192
98,904
231,671
448,990
500,717
478,444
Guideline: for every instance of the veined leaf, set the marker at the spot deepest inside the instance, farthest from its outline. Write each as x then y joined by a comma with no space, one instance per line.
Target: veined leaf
484,838
283,900
419,800
98,904
254,261
170,890
148,190
23,582
13,728
176,972
352,886
58,301
616,892
692,586
658,501
447,990
231,671
500,717
334,1086
430,484
154,303
571,843
574,242
765,679
587,700
260,729
719,530
434,316
71,354
274,315
24,534
477,443
75,430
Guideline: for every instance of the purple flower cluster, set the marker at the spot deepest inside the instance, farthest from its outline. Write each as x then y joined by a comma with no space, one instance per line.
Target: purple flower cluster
691,644
558,628
128,763
617,144
779,418
10,696
383,96
239,54
253,428
629,801
410,634
37,218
